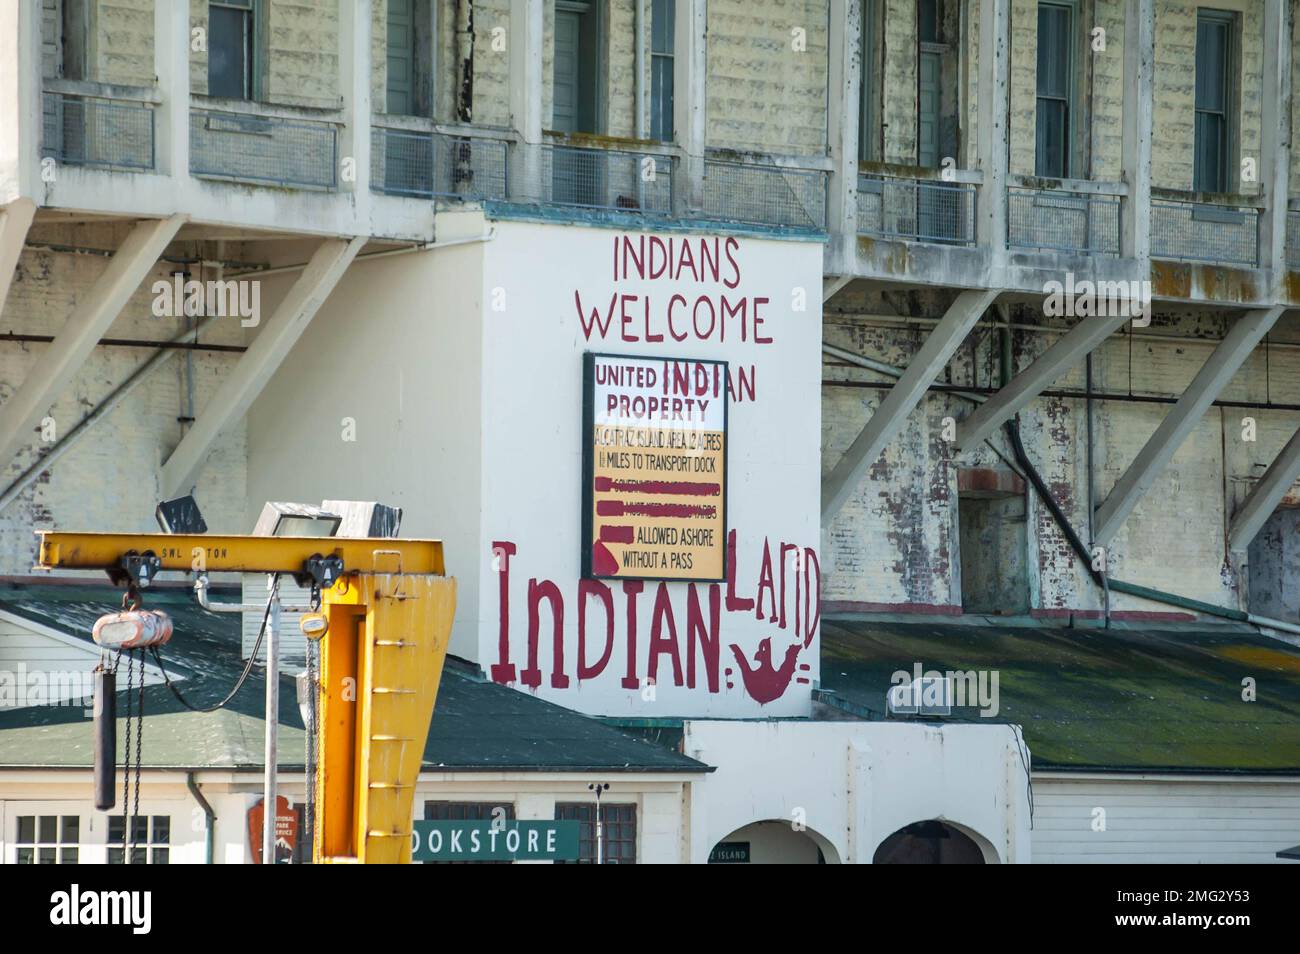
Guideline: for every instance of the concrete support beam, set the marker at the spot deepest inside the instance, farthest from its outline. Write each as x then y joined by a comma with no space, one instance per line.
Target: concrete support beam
890,416
845,82
831,284
1275,143
246,380
171,55
690,64
354,80
1060,357
527,19
1218,370
992,131
1265,496
15,220
1135,148
95,312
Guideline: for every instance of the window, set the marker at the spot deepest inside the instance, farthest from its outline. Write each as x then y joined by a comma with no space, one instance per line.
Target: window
231,27
662,27
869,86
618,831
468,811
409,57
1214,71
1056,43
76,40
576,74
150,839
47,839
929,81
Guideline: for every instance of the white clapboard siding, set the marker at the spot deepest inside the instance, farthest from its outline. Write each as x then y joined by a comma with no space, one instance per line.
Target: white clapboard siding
41,666
293,645
1164,819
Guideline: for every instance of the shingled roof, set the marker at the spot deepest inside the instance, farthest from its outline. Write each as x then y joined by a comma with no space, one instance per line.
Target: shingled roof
1120,699
477,725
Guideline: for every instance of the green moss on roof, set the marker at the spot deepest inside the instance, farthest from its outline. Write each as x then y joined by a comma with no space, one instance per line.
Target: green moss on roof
476,724
1128,700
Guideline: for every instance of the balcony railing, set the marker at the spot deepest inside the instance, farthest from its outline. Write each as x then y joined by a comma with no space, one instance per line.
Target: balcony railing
1204,232
428,164
1293,239
916,210
1063,221
609,180
263,148
761,194
86,130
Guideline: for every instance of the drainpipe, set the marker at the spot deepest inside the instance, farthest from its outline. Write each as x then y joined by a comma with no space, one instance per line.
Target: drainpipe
1012,428
208,813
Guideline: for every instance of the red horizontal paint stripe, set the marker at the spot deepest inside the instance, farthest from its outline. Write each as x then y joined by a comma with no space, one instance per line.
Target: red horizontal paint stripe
617,508
612,534
678,488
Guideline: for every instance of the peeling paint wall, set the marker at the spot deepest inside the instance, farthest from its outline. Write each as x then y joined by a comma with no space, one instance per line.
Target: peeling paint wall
894,543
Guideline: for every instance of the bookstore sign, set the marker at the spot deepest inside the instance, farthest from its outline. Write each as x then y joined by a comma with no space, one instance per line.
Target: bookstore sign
654,468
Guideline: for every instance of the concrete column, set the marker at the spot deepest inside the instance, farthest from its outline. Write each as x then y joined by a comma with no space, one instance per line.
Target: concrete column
95,312
842,129
1275,142
354,81
893,411
1139,104
527,22
171,56
992,133
1218,370
860,829
15,220
1064,353
690,67
1265,496
20,102
245,381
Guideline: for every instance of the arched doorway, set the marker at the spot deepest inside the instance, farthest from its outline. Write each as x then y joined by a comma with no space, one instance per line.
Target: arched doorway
930,843
773,843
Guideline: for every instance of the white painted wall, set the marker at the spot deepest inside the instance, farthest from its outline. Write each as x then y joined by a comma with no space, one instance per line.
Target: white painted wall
462,369
853,784
1164,819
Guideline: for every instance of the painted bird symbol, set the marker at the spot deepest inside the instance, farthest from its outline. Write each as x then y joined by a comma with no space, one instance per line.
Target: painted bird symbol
763,682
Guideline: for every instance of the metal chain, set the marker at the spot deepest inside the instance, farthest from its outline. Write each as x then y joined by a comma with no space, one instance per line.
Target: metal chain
139,747
312,717
126,762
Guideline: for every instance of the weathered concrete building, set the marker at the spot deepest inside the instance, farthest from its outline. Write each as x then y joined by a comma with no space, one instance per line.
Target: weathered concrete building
1052,372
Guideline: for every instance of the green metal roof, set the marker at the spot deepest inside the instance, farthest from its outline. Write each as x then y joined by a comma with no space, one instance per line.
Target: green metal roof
477,725
1118,699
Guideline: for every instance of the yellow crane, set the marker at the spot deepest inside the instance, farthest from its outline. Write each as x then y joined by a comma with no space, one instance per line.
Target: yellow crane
384,621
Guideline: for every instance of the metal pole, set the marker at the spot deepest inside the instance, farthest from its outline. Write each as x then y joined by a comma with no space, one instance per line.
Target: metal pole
272,719
599,788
